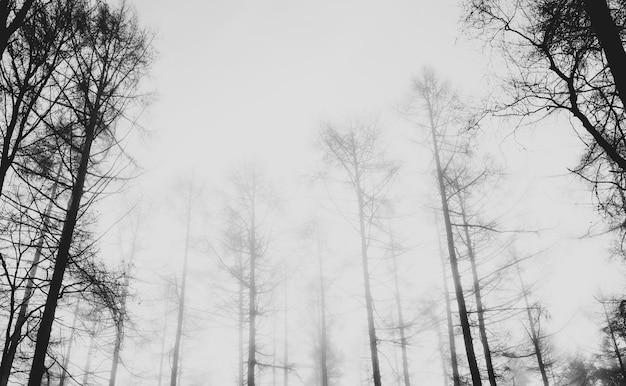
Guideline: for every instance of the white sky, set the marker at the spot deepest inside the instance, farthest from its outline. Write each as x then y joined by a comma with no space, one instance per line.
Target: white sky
236,78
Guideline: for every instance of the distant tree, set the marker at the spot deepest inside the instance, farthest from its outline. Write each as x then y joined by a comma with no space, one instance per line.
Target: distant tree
356,151
250,212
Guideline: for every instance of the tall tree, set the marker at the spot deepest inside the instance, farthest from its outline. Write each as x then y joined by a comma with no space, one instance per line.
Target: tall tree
356,151
250,213
436,96
109,55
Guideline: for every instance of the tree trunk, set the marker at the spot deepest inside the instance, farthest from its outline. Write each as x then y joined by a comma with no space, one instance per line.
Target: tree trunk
68,354
453,359
369,303
163,333
252,311
456,276
11,344
401,326
181,305
286,336
43,334
442,355
608,35
479,301
119,328
323,339
92,338
534,336
241,322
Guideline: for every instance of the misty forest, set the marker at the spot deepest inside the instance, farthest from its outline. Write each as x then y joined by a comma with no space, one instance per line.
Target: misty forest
322,193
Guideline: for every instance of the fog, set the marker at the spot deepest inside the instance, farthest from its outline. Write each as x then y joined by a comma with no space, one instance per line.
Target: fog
311,193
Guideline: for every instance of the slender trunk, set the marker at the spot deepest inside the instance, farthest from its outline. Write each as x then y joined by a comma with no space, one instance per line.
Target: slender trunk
453,359
68,354
47,319
92,338
442,354
11,344
479,302
240,335
401,326
163,333
456,276
534,336
618,355
252,311
119,325
323,339
274,351
181,305
609,37
286,336
369,303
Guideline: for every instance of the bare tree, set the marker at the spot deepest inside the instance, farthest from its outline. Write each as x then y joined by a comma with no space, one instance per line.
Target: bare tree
437,98
355,150
110,53
567,56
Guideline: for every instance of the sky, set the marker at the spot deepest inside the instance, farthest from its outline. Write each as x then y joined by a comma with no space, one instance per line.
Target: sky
238,79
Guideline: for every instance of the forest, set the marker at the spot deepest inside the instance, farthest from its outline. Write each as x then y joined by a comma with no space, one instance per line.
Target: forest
313,193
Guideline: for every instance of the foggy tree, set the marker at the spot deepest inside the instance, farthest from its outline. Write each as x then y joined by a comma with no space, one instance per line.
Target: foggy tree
462,182
568,56
454,365
183,288
250,211
356,151
120,315
534,332
109,55
437,100
394,248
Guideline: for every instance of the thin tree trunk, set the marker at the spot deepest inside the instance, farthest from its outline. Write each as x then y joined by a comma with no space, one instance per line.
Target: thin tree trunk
534,336
323,339
252,311
369,303
286,336
92,338
163,333
453,359
181,305
609,37
442,354
618,355
11,344
240,335
479,302
456,276
68,354
38,366
401,326
119,328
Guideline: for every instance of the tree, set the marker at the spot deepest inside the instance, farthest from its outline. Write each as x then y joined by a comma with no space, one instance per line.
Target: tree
109,55
437,102
250,213
567,55
355,150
